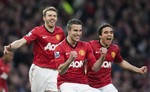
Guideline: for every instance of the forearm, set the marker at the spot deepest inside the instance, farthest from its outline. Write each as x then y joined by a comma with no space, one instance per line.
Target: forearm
64,67
124,64
97,65
17,44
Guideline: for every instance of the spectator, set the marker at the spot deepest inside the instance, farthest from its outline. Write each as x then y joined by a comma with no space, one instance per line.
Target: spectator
5,70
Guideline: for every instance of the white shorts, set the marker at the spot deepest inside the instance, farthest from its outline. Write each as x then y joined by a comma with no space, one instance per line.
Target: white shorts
75,87
42,79
108,88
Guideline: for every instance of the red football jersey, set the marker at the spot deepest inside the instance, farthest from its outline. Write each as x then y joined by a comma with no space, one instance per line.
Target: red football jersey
103,76
45,43
76,70
4,70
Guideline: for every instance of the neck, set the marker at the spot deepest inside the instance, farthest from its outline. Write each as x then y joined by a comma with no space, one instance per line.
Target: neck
104,45
71,42
50,29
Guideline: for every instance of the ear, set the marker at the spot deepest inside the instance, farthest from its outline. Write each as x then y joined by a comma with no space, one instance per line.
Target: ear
100,36
43,18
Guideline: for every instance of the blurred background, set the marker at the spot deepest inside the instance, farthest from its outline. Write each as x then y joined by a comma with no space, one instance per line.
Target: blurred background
130,19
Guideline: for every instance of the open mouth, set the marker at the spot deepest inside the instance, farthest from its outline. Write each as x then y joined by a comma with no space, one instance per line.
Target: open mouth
109,38
51,21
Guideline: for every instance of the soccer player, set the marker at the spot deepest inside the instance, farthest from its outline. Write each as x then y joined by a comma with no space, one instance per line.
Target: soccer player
43,72
70,56
5,70
102,79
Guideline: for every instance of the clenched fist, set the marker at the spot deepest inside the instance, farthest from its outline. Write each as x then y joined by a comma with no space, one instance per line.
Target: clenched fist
103,50
73,54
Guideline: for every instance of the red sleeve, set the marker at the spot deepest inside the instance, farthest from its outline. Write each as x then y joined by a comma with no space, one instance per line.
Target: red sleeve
59,56
31,36
90,56
118,58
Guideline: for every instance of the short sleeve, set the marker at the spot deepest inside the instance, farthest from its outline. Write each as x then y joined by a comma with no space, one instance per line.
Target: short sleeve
90,56
31,36
118,58
59,56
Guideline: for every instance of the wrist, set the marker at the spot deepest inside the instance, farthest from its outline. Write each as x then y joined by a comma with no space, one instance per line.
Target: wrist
10,47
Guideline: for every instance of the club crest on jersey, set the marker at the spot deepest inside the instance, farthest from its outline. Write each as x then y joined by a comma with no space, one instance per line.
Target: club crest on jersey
113,54
82,52
57,54
58,37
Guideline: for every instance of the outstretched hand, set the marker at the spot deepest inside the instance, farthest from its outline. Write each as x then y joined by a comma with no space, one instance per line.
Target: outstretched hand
7,49
143,70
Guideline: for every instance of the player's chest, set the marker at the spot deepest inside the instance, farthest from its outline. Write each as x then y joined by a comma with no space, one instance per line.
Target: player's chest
50,38
81,53
110,56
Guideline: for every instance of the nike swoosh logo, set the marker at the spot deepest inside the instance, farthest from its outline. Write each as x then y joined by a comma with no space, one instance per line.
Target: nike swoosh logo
97,51
44,37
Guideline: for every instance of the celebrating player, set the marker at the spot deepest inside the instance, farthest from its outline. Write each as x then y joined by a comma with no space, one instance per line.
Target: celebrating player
102,79
70,56
43,73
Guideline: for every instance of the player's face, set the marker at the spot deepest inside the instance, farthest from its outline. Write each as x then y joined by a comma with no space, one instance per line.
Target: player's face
75,32
107,36
50,18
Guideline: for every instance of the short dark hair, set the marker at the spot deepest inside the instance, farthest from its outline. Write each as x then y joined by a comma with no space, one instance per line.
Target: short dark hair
100,28
73,21
51,8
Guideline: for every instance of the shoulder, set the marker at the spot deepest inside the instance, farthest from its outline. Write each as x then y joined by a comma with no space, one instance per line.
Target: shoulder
93,42
83,44
62,43
114,46
58,29
38,29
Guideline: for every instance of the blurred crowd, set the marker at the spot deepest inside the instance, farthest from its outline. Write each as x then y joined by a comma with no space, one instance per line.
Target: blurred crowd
130,19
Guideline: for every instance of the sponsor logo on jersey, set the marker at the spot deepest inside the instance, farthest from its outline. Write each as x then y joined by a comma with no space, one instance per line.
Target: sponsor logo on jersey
50,46
106,64
58,37
57,54
113,54
82,52
76,64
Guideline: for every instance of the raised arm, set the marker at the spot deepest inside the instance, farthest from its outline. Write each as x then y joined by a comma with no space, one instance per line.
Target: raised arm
64,67
100,61
14,45
124,64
